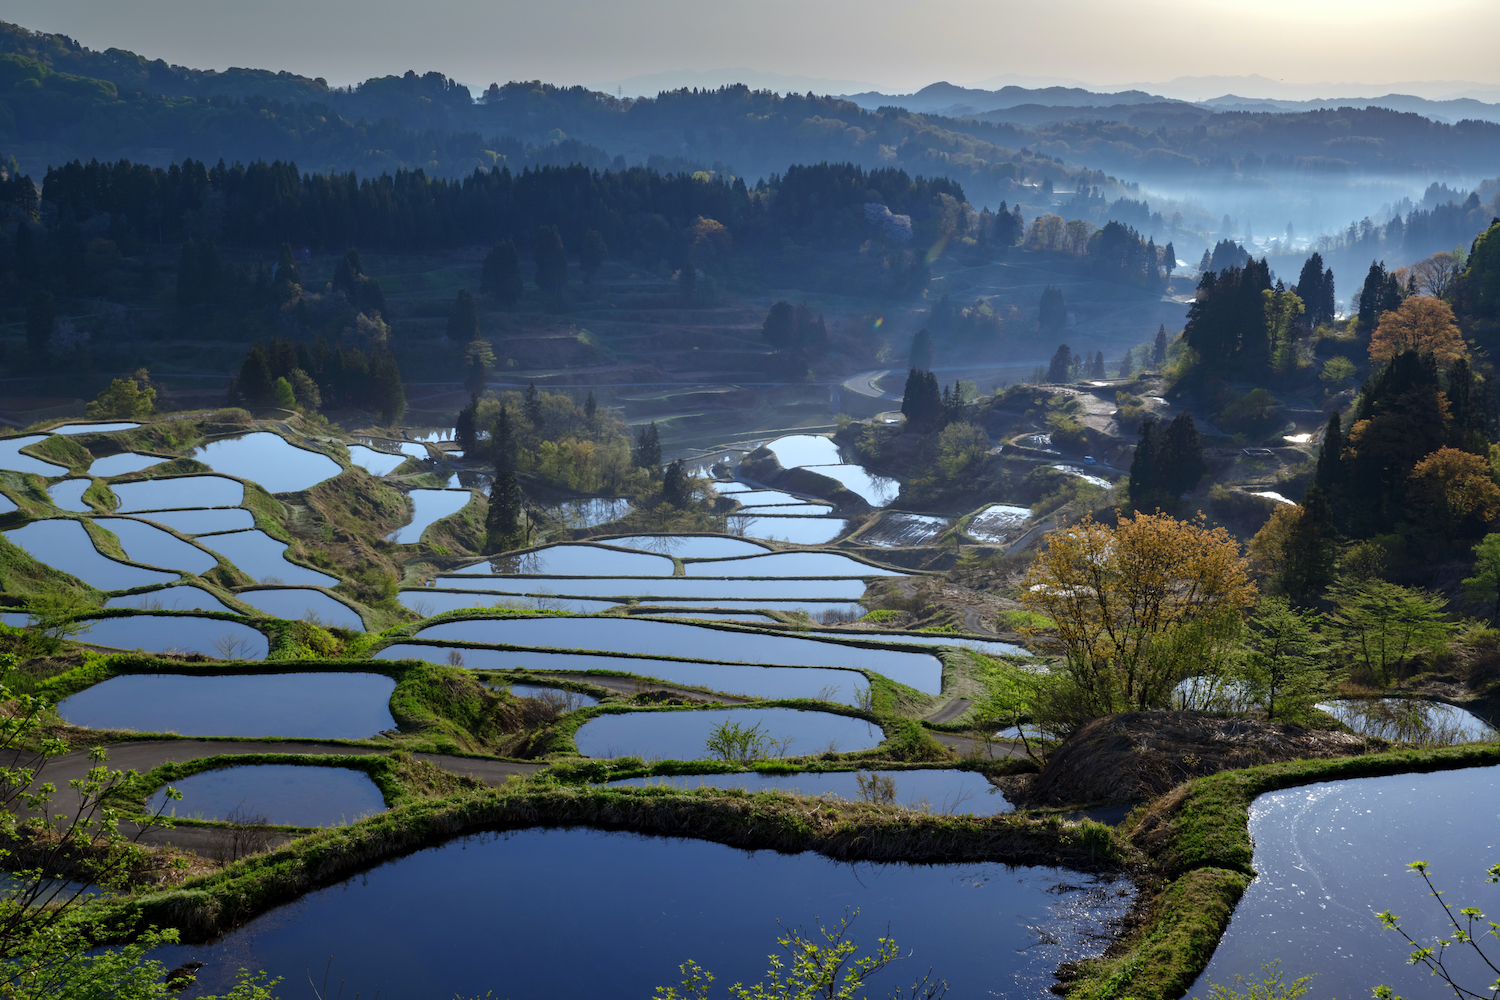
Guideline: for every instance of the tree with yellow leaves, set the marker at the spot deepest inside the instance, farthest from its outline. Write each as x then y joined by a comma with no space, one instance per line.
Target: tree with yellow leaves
1422,324
1453,491
1139,606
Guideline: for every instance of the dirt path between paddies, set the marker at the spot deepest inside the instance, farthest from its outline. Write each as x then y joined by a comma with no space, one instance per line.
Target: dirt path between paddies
143,755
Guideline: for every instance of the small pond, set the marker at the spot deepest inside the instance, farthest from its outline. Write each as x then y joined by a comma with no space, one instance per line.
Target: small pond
376,463
106,428
989,929
575,699
183,598
179,634
200,522
263,558
682,735
178,492
429,506
727,678
899,528
68,495
293,604
661,586
767,498
654,638
588,513
877,491
334,706
1331,856
123,464
805,449
65,545
796,530
12,459
997,521
689,546
285,794
576,560
267,459
942,791
146,543
1383,718
787,564
428,602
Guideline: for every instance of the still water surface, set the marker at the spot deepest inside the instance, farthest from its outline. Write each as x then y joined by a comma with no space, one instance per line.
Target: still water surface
941,790
576,560
292,603
429,506
788,564
178,634
661,586
285,794
65,545
267,459
684,735
178,492
989,929
797,530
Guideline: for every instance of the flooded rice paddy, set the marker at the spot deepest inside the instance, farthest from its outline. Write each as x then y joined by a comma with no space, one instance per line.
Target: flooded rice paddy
692,641
202,522
805,449
267,459
877,491
702,588
726,616
899,528
575,699
68,495
179,634
285,794
7,505
312,706
769,498
310,605
376,463
589,513
123,464
689,546
1088,477
183,598
1331,856
65,545
997,522
100,428
939,790
428,602
178,493
796,530
961,641
1389,718
429,506
148,544
12,459
683,735
263,558
988,929
787,564
576,560
770,683
840,610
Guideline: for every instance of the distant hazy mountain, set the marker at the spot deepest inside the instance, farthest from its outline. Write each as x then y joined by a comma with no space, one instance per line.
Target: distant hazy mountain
940,98
651,84
1444,111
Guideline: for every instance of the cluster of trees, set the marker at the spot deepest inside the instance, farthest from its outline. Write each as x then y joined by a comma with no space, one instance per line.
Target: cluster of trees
797,330
1241,322
1168,462
290,373
927,407
550,438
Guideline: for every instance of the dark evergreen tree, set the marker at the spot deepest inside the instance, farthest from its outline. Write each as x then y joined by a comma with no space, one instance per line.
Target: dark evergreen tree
1226,322
387,396
921,350
591,254
648,449
675,488
1145,485
1311,550
503,442
1060,368
1096,369
590,406
28,269
531,404
1159,348
780,328
466,426
922,402
502,522
1180,464
288,278
40,320
463,318
347,274
256,382
1329,474
1315,288
501,275
1052,311
1126,368
551,261
1466,428
1381,293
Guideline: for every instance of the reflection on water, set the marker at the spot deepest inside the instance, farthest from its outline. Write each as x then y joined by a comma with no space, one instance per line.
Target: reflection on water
797,530
267,459
429,602
689,546
376,463
589,513
146,543
877,491
575,559
65,545
683,735
12,459
310,605
68,495
105,428
181,598
805,449
1410,720
660,587
313,706
180,634
263,558
123,464
787,564
199,522
942,791
285,794
429,506
1331,856
178,492
988,929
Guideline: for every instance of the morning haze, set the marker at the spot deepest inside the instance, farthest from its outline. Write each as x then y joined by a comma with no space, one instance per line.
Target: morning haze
568,500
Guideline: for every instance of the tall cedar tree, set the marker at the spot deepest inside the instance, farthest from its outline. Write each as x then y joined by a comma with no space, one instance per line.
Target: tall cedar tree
590,406
503,521
551,261
674,485
288,278
922,402
1226,322
463,318
255,383
1052,311
466,426
1315,288
1159,348
921,350
648,449
1182,466
1381,293
501,277
1060,368
1145,488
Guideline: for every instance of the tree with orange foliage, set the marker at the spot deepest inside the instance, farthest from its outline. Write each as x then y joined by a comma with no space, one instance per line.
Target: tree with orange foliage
1422,324
1139,606
1454,490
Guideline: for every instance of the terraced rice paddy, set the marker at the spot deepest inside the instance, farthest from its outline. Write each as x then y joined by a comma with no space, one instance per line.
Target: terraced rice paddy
178,493
285,794
429,506
683,735
937,790
268,459
65,545
216,637
313,605
263,558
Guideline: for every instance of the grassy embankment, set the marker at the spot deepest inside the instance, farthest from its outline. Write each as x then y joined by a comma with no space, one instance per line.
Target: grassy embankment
1198,861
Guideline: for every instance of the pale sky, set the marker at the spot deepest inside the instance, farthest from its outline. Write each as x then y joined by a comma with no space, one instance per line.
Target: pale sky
899,45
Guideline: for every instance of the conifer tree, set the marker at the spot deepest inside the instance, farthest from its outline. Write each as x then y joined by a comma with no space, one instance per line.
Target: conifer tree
501,275
463,318
1060,368
1180,466
1159,348
503,442
1126,367
648,449
386,393
674,487
590,406
255,383
502,523
922,402
921,350
1144,482
466,426
1329,474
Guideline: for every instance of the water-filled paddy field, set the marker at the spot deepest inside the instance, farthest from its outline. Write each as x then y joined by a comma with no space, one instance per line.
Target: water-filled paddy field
179,634
730,678
316,706
285,794
376,463
180,598
146,543
202,522
786,564
656,638
65,545
696,588
263,558
428,602
796,530
68,495
268,459
575,560
940,790
178,493
293,603
123,464
429,506
683,735
989,929
1329,857
12,459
